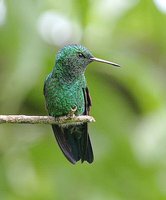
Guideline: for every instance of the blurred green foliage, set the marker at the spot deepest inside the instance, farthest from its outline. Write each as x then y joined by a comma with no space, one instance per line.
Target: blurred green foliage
129,136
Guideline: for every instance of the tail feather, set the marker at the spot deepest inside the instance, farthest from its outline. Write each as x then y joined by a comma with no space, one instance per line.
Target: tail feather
74,142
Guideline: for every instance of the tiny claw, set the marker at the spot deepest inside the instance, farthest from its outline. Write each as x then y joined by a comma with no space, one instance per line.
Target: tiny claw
72,112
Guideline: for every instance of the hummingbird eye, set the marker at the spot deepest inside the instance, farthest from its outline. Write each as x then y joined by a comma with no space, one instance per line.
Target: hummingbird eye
81,55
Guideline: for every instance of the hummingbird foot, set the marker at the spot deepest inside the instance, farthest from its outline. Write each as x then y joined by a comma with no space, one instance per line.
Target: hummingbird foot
71,114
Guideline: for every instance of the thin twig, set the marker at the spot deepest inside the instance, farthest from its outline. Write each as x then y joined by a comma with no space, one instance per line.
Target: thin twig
66,120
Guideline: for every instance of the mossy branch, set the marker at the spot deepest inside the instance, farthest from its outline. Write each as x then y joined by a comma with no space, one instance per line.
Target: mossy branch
66,120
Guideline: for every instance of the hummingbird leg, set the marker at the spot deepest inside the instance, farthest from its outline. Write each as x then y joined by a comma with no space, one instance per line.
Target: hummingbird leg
72,112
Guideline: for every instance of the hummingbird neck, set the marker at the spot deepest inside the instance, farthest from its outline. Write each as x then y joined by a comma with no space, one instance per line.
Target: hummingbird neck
65,74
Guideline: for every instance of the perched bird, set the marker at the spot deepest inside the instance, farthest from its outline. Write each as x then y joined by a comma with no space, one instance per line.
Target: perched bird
66,91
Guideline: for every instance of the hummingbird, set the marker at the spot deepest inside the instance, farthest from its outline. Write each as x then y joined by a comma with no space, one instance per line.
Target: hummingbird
66,92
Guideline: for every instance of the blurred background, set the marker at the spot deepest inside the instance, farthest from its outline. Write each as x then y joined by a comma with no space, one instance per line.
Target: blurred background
129,103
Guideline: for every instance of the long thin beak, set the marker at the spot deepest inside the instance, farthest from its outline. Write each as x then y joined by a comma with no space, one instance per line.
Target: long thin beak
104,61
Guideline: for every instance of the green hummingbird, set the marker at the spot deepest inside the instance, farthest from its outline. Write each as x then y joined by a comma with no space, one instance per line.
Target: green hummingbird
66,91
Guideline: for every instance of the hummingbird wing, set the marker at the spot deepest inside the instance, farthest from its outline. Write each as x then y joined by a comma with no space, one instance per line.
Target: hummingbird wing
87,147
88,100
74,140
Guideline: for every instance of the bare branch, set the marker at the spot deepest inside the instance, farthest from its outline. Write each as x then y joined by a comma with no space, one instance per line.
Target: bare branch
66,120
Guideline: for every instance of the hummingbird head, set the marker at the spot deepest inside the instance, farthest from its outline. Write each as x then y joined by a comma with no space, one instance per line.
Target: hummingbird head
72,60
74,57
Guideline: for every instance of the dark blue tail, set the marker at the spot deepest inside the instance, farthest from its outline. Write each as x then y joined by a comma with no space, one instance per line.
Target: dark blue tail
74,142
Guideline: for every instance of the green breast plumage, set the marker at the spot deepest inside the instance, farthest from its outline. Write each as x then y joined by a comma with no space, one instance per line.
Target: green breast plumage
61,96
